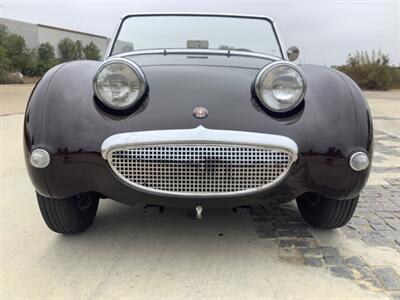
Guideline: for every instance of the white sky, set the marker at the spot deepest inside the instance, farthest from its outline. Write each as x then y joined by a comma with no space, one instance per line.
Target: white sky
326,31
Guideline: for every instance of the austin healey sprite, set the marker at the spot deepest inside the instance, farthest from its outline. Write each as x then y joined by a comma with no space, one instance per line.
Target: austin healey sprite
198,111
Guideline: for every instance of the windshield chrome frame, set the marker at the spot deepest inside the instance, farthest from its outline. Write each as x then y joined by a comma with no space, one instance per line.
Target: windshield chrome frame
210,51
198,52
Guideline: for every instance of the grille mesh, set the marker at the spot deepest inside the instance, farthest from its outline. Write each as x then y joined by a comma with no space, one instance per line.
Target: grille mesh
198,169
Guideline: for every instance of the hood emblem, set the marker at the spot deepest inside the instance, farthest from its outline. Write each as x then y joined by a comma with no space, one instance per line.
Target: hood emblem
200,112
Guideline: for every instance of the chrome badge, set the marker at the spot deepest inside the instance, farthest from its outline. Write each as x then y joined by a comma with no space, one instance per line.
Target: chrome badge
200,112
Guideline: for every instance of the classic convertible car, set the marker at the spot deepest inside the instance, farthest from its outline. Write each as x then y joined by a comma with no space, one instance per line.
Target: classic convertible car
196,111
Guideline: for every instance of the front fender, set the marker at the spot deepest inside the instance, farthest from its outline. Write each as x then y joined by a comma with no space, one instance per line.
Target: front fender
35,114
335,97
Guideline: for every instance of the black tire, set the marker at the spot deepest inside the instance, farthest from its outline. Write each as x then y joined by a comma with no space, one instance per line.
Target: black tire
325,213
69,215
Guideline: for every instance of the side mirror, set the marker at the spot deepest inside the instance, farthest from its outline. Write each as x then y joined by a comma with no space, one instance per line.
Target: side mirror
293,53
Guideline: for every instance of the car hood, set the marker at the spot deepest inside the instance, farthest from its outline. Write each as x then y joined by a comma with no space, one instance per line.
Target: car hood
223,85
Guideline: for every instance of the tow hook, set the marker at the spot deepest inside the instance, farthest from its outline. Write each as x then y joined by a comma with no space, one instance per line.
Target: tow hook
199,211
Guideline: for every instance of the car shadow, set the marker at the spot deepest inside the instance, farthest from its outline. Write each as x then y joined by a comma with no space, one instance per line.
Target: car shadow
277,228
126,238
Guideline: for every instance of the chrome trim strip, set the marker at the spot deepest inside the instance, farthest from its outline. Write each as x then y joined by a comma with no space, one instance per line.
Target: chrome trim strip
274,26
112,40
280,41
198,51
269,19
198,135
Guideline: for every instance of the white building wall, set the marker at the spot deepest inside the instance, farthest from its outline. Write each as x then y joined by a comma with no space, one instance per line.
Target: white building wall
28,30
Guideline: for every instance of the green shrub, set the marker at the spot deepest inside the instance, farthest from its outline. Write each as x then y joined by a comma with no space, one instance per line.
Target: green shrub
4,77
396,77
369,71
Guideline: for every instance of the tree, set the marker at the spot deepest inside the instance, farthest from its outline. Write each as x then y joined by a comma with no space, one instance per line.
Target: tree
91,51
15,44
46,58
27,63
78,49
68,50
46,52
4,61
3,34
20,59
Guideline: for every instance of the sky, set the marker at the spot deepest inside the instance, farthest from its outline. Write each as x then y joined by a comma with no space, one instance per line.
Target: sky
326,31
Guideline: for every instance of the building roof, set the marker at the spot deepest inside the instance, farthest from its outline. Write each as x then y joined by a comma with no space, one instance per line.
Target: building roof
57,28
73,31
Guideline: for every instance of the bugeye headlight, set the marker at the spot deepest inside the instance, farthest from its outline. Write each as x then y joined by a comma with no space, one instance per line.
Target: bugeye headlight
280,86
119,83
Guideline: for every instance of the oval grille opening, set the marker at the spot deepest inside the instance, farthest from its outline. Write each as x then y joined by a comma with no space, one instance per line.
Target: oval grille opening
200,169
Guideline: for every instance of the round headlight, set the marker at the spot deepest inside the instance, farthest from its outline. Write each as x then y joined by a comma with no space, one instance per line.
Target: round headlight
280,86
119,83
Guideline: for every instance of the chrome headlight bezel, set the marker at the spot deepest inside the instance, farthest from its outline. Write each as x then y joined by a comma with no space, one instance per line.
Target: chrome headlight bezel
269,68
135,68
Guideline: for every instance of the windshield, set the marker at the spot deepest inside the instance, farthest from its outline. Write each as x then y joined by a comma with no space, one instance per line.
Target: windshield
196,32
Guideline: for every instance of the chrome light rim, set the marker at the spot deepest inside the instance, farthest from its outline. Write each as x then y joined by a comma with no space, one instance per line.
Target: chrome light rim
264,71
134,67
44,159
356,155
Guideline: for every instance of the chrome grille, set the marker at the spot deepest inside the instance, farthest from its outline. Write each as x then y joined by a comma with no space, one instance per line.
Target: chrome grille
199,168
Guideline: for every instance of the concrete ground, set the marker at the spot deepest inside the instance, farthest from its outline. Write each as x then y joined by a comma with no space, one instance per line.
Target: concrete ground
269,254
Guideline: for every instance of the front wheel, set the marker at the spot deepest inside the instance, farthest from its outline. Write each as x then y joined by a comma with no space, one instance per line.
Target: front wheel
69,215
325,213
